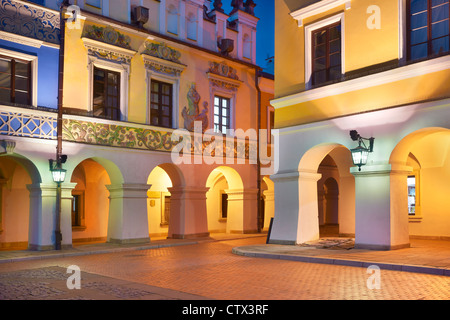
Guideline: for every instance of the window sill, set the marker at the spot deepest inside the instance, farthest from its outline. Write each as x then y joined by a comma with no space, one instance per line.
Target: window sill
78,228
415,218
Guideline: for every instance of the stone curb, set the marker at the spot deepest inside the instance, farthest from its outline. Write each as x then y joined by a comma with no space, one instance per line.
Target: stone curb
350,263
42,256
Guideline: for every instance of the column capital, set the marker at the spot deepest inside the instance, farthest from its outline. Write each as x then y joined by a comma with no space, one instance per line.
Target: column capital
128,190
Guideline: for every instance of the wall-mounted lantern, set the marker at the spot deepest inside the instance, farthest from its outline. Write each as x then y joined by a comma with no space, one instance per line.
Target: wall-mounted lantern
360,154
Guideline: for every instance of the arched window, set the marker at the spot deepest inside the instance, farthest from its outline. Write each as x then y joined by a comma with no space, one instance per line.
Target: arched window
247,45
191,27
172,19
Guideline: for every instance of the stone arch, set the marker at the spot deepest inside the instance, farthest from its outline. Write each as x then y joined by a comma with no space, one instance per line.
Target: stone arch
226,192
309,176
90,203
425,155
162,179
19,209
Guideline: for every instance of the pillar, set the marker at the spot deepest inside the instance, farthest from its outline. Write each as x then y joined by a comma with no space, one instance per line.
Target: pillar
269,208
242,211
66,214
41,235
188,217
296,208
128,220
381,212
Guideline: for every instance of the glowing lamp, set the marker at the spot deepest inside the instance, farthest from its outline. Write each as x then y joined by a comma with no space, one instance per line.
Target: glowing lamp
360,154
58,173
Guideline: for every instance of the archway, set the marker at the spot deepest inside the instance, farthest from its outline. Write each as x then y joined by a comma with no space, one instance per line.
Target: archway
324,177
159,202
90,203
420,183
328,197
17,209
224,201
268,201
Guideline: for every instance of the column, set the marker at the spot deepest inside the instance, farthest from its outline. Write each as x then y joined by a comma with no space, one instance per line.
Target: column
296,208
42,217
128,220
269,208
242,211
381,216
66,214
188,217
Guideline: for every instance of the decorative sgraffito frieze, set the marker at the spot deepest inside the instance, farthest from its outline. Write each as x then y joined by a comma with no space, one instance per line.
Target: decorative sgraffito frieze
29,21
162,51
114,135
107,35
100,51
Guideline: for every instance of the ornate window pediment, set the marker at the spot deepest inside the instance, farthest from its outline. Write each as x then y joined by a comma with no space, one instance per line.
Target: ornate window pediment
108,52
162,59
223,76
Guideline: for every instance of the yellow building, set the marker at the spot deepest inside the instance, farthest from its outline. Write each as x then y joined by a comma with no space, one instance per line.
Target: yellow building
378,69
141,80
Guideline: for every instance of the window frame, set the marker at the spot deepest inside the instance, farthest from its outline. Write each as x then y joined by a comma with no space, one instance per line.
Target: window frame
33,79
124,71
407,33
160,105
228,126
309,29
327,56
175,82
105,93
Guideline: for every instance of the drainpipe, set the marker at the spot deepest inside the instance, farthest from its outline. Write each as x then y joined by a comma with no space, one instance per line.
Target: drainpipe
58,235
258,180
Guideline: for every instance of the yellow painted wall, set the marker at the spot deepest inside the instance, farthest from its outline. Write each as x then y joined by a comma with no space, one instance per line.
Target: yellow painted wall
92,178
76,80
15,205
430,86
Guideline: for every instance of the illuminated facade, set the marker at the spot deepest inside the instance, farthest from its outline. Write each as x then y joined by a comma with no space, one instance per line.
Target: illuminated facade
136,73
380,68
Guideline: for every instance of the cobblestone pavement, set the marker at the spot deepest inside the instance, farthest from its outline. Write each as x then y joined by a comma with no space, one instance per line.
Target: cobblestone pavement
209,270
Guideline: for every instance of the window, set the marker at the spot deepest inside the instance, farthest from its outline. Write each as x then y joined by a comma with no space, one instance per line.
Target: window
165,218
172,20
15,81
326,54
224,200
161,112
78,219
412,195
191,29
428,28
221,114
106,103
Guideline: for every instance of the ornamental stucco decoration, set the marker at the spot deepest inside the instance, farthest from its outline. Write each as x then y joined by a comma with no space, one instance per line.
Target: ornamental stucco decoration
29,21
162,51
107,35
222,69
192,113
104,52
